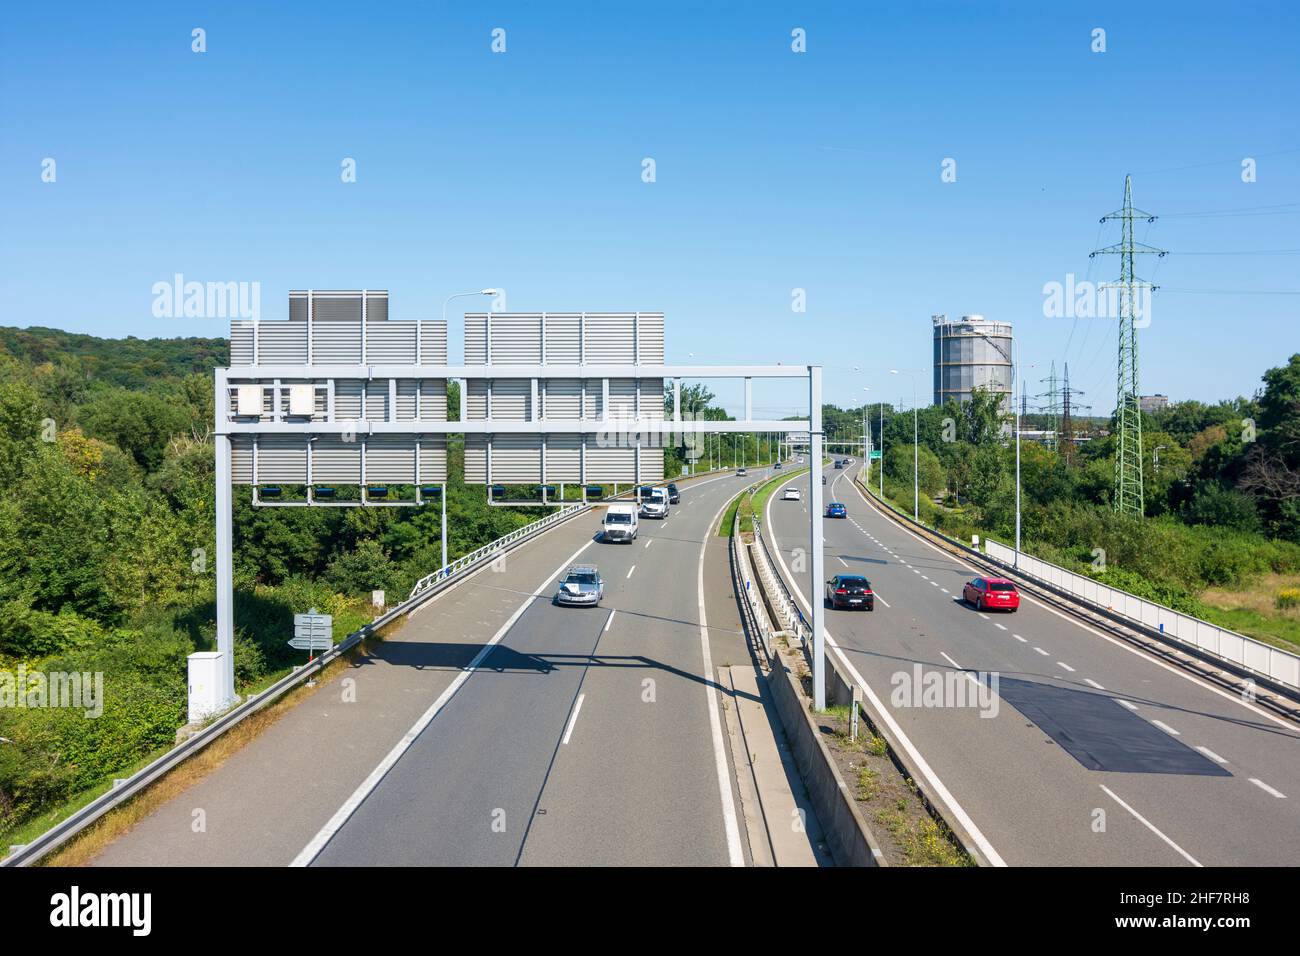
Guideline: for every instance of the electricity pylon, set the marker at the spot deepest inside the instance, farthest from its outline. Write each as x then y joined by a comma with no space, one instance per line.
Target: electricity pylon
1128,416
1053,408
1066,440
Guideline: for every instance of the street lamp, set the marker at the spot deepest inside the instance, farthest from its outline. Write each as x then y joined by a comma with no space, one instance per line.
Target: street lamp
916,485
463,399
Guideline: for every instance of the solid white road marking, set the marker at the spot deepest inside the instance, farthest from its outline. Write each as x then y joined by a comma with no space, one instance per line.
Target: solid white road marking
1267,789
573,718
341,816
1150,826
941,792
734,852
1211,754
610,620
1166,728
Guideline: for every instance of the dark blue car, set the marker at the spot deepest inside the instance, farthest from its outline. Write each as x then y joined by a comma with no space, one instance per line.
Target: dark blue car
836,510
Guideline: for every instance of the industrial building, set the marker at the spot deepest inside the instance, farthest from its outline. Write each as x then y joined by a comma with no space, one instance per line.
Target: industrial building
971,352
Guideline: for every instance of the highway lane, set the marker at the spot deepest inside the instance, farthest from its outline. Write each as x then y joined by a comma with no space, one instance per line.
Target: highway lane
581,737
1180,770
269,799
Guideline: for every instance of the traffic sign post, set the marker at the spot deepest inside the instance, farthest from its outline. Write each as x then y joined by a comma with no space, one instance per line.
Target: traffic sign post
312,632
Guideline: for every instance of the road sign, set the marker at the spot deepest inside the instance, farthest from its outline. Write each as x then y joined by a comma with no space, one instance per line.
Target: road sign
316,631
312,643
875,454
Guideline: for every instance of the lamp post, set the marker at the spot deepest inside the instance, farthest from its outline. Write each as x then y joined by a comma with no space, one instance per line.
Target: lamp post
916,484
463,399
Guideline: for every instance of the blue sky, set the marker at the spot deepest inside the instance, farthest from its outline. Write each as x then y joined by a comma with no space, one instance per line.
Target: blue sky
774,171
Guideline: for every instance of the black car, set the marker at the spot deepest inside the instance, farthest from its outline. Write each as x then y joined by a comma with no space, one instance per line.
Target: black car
674,496
777,465
838,463
850,590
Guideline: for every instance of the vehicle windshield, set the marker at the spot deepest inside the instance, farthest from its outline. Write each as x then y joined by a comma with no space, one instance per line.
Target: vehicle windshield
855,582
1001,586
581,577
618,517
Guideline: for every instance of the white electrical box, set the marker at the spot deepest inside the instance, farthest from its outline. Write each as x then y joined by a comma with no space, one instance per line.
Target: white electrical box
248,399
302,399
205,685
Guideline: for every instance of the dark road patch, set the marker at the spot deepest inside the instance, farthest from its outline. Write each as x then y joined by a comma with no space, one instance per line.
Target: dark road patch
1101,734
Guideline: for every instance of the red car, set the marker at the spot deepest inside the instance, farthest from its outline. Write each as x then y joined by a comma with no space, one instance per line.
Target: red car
988,594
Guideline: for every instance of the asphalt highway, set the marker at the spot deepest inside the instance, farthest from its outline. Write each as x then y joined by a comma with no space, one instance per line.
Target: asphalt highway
1075,748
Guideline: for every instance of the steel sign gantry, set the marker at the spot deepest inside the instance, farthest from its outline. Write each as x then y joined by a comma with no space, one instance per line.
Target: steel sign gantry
273,375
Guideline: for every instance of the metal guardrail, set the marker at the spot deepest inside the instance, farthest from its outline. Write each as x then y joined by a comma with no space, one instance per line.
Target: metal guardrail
1271,662
751,602
1242,665
428,586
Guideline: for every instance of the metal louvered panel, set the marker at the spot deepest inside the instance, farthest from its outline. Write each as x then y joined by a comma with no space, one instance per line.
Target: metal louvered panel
377,400
347,399
562,345
511,400
390,458
652,398
241,342
433,459
336,341
563,458
516,339
282,343
390,342
563,399
650,333
609,338
475,459
433,399
406,389
337,307
610,464
516,459
594,400
282,458
335,460
476,400
298,307
433,342
241,459
475,338
622,398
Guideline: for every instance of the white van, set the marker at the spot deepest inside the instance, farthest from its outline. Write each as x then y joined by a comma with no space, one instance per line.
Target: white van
620,523
655,504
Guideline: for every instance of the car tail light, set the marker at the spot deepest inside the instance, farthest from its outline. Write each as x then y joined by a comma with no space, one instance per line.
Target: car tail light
841,591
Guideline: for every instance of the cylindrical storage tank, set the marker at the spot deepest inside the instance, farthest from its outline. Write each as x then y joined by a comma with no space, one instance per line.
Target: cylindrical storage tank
971,352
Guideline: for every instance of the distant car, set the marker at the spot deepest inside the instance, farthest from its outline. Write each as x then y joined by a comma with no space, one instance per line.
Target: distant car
850,590
823,479
987,594
580,586
777,465
674,496
791,494
836,510
838,463
741,472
